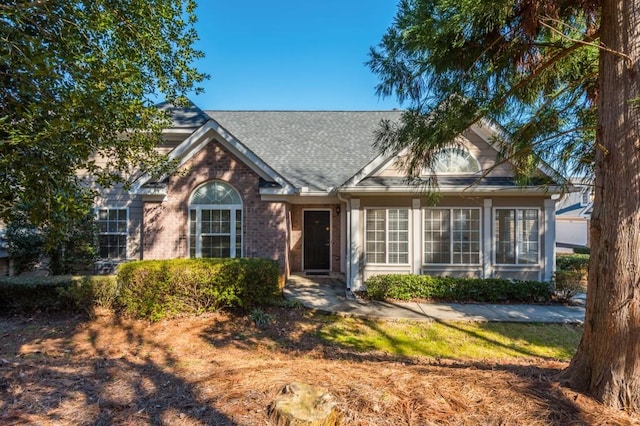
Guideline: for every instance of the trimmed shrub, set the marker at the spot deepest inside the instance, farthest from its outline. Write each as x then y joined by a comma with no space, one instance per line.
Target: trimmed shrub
573,262
62,292
569,283
453,289
582,250
86,293
571,275
157,289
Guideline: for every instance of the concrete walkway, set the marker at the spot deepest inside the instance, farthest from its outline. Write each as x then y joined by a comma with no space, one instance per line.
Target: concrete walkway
328,295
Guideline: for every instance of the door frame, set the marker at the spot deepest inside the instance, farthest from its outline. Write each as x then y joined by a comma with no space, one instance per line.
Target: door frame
304,210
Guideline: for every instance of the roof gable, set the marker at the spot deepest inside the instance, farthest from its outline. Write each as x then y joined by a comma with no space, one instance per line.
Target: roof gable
210,132
479,140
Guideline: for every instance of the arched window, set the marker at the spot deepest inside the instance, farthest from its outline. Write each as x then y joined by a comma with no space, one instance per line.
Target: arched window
455,161
215,221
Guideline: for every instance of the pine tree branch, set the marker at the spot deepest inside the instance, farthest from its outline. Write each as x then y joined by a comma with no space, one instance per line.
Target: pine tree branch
583,42
21,6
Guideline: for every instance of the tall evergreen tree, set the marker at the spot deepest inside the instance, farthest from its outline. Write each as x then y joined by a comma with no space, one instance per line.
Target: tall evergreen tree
78,80
563,80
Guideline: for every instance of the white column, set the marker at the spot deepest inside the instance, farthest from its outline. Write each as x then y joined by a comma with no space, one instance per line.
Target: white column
347,248
549,239
344,240
354,252
416,236
487,238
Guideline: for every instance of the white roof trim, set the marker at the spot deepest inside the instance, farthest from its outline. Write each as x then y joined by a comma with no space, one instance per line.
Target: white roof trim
179,131
456,190
378,163
202,137
301,199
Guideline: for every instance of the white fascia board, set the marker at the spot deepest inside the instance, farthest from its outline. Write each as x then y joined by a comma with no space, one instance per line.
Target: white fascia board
452,190
278,191
158,194
300,199
203,136
376,164
179,131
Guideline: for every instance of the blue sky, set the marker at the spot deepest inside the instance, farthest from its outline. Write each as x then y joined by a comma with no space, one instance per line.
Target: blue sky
291,55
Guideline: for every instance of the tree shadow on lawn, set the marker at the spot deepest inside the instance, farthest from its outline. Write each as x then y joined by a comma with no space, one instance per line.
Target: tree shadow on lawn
299,333
52,370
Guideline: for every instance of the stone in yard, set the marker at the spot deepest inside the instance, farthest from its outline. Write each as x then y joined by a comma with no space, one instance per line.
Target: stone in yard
300,404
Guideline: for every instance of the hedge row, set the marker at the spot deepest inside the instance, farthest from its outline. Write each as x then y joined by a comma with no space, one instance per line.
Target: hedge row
572,262
156,289
452,289
61,292
150,289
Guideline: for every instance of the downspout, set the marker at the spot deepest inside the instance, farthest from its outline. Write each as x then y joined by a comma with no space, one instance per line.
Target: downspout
347,230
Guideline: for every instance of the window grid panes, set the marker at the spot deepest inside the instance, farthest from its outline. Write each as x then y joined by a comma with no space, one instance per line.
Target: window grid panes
193,216
398,235
376,242
437,248
517,236
455,160
465,236
452,236
528,236
215,221
387,236
112,233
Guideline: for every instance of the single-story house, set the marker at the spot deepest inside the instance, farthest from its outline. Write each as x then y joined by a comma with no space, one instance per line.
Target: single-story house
309,190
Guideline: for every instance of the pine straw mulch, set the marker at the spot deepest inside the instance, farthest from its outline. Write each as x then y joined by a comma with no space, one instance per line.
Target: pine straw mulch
221,369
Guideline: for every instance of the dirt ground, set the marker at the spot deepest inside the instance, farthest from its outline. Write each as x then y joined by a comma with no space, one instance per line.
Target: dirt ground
220,369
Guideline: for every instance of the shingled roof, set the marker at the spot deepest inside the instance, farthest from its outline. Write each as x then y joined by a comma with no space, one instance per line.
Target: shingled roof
313,149
184,117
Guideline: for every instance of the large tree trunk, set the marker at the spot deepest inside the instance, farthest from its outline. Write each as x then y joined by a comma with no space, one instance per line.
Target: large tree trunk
607,363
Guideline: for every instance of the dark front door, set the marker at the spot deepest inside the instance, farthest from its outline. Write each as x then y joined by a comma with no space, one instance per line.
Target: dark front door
317,240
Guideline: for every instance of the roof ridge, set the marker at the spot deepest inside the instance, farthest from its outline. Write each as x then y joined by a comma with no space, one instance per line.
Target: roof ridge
299,110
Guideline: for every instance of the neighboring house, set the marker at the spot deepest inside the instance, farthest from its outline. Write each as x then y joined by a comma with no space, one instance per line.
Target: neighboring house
573,216
308,189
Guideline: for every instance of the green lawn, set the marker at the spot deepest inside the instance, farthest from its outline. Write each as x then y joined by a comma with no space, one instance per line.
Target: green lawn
456,340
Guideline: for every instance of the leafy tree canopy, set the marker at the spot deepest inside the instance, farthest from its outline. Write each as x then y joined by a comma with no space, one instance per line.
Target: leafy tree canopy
531,66
78,80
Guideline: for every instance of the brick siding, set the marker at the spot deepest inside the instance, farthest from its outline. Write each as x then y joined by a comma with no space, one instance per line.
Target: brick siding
165,224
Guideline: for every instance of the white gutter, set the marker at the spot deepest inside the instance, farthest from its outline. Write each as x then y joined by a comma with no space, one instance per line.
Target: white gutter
450,190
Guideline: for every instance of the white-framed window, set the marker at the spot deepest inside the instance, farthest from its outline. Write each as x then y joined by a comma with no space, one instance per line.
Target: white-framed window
452,236
387,236
517,236
112,232
455,160
215,221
